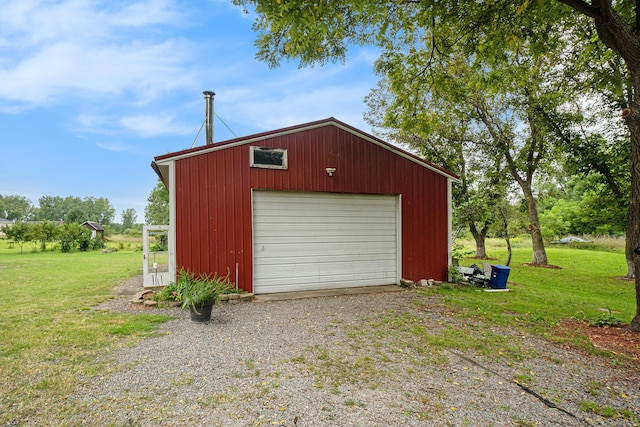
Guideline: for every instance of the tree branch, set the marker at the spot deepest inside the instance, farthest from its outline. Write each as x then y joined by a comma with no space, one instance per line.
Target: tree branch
582,7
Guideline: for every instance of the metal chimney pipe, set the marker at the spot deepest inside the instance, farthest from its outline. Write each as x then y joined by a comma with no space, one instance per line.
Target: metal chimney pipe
208,116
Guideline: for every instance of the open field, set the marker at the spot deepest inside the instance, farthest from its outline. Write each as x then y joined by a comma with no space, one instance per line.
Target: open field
52,343
49,338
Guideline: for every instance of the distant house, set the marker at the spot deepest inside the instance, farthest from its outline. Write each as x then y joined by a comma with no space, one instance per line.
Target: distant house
96,229
315,206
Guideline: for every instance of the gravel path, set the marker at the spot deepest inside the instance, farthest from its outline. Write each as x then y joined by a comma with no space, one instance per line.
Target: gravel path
347,361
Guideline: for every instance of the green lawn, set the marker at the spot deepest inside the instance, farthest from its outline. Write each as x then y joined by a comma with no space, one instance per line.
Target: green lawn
586,284
50,340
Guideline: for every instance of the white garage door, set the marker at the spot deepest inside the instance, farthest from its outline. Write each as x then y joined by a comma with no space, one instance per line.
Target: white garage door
309,241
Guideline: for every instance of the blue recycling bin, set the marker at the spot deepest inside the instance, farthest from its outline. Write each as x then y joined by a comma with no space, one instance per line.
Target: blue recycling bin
499,276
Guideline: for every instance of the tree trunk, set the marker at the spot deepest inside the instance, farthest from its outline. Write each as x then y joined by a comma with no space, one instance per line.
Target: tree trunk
633,224
480,237
505,232
509,251
539,253
630,255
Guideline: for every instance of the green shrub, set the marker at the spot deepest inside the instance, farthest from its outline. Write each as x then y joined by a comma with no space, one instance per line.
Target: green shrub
192,290
97,243
606,319
168,293
67,242
84,242
74,236
455,276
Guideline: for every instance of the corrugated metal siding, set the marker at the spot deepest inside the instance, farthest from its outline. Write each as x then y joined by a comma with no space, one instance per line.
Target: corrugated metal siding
213,235
212,207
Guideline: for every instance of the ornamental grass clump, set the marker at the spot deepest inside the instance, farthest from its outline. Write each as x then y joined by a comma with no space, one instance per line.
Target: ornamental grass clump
195,291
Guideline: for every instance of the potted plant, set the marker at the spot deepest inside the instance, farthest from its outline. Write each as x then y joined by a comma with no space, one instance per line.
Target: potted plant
200,293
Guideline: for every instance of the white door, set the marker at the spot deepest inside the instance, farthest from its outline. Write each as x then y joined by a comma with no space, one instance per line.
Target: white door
156,266
310,241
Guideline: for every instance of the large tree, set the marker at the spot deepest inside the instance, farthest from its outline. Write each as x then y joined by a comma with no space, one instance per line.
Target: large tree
16,208
157,210
51,208
600,148
98,210
319,31
505,101
447,140
129,217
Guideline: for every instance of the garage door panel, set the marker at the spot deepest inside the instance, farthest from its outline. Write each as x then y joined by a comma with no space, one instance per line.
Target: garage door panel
311,199
340,209
333,236
355,259
320,249
340,242
313,230
324,282
309,259
325,221
323,240
297,271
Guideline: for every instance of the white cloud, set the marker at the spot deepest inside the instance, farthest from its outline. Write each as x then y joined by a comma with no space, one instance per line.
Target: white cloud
145,13
331,101
143,125
154,125
296,96
56,50
62,68
33,22
114,146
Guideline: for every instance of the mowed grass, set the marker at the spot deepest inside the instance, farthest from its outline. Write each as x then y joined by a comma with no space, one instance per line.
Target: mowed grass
587,286
50,338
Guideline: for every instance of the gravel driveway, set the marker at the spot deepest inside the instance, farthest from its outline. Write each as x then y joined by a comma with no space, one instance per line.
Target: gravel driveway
359,360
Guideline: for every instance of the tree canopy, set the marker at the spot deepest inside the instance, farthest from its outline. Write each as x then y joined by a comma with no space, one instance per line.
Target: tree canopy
75,209
157,210
15,208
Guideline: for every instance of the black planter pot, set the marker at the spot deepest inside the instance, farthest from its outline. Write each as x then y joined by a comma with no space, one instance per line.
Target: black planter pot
201,314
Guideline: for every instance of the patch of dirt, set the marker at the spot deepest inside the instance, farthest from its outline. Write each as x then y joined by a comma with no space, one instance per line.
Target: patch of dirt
555,267
617,339
129,286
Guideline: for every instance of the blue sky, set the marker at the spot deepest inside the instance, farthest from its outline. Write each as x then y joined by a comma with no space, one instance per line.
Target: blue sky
91,91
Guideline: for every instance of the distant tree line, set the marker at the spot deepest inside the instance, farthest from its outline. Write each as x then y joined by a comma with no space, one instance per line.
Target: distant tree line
56,222
66,237
68,209
55,208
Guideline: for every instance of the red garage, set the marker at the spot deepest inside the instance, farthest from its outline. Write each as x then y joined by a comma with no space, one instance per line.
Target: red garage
315,206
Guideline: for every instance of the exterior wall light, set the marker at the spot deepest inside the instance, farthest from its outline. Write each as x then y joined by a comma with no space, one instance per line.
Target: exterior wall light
330,171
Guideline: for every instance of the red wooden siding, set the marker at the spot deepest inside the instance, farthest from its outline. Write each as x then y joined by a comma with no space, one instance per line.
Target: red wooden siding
213,198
